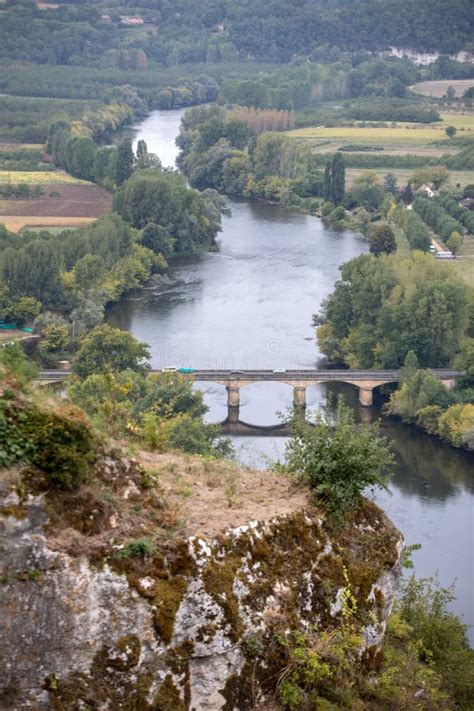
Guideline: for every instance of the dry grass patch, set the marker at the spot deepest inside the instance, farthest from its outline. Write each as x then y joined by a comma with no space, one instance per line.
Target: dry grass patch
210,495
14,223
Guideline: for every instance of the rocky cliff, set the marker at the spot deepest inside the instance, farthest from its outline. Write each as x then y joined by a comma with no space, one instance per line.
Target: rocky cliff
110,600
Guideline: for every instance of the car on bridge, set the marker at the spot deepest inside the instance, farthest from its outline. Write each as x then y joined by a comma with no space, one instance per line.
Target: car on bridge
186,370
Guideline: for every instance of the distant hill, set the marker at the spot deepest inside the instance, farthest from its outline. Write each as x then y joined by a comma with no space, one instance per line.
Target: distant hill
172,32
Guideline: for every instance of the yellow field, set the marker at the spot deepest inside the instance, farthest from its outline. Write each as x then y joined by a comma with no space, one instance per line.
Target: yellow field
404,137
39,177
459,121
18,146
13,223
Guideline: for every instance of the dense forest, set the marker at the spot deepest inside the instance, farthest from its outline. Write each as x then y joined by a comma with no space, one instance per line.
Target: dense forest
169,33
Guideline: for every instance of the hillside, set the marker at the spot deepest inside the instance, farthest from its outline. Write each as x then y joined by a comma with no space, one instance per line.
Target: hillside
100,34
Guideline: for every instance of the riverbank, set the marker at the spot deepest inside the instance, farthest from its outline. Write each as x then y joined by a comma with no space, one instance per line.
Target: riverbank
251,305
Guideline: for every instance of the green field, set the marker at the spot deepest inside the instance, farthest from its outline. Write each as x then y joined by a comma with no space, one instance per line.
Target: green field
461,177
401,138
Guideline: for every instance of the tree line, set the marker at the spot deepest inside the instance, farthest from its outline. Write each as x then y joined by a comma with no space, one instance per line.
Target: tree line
205,31
383,307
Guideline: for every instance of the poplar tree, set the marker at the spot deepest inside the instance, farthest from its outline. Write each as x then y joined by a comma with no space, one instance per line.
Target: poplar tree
338,179
125,161
327,183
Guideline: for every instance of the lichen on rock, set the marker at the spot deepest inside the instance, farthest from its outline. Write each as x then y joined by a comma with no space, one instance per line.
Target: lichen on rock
171,620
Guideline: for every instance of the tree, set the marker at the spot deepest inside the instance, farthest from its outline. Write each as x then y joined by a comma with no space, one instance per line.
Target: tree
189,217
56,338
407,194
416,231
142,148
450,131
381,239
80,155
450,93
21,311
334,180
338,178
390,184
125,161
107,349
156,238
88,270
367,191
338,460
327,183
432,174
454,242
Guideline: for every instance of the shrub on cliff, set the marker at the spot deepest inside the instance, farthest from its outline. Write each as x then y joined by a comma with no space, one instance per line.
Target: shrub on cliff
339,460
58,440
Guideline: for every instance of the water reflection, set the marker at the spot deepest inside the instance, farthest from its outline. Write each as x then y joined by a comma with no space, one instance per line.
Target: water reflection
250,306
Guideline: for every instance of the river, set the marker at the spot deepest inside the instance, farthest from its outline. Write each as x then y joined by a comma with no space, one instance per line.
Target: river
249,305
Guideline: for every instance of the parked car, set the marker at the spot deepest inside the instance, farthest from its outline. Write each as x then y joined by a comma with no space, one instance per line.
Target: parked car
445,255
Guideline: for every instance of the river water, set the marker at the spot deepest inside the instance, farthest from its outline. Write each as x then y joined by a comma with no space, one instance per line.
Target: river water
249,305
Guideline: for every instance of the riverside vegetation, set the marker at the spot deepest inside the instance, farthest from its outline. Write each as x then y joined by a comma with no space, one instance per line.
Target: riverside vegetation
92,71
65,461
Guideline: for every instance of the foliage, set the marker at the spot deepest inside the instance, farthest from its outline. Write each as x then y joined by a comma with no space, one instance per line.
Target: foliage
13,358
415,230
386,306
76,272
161,410
75,34
57,439
338,460
218,151
334,180
381,239
107,349
424,400
456,425
454,242
125,161
366,192
188,219
439,637
435,175
437,218
457,211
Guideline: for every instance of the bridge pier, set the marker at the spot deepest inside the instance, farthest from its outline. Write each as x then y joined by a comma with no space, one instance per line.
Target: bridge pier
299,398
233,403
366,396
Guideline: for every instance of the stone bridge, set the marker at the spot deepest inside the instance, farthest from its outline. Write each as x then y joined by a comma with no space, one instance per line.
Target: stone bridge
233,380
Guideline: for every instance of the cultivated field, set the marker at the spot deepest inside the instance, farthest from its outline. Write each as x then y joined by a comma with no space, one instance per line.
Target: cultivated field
39,177
62,205
461,177
62,201
401,138
16,224
438,88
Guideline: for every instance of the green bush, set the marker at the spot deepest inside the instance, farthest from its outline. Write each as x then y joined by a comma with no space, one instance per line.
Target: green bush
439,637
339,460
60,442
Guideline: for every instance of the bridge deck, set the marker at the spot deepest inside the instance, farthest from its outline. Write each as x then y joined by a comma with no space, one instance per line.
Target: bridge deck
272,375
